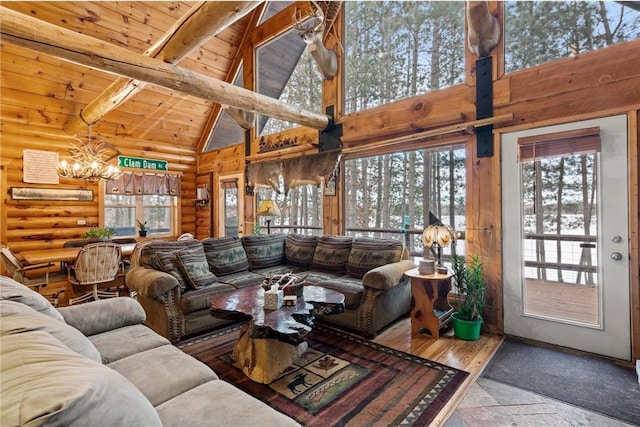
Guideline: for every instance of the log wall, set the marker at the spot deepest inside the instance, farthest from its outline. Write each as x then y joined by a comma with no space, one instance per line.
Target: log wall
163,124
594,84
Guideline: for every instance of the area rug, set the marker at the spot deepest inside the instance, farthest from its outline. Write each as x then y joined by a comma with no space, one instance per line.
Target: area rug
342,380
591,383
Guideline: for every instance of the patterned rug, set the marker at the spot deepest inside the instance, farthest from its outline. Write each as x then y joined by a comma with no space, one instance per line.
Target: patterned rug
341,380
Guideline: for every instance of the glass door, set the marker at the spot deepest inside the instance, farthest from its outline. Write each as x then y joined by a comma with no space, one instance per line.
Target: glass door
566,257
230,205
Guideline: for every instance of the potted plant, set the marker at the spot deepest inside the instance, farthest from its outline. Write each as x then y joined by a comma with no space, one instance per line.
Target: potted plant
142,228
97,234
471,287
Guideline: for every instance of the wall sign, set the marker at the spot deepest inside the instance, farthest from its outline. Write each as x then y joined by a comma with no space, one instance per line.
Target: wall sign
140,163
39,167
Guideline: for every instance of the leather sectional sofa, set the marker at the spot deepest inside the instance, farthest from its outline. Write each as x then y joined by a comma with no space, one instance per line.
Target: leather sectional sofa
175,281
97,364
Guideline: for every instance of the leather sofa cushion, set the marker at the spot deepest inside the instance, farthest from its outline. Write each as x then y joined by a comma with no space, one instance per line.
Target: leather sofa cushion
201,299
14,291
225,255
299,249
45,383
264,250
332,254
124,341
368,253
18,318
223,404
155,372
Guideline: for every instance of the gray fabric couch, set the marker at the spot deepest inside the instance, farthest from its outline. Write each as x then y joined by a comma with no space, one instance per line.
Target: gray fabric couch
97,364
175,290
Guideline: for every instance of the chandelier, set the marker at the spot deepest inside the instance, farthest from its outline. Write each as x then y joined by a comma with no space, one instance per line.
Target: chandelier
90,161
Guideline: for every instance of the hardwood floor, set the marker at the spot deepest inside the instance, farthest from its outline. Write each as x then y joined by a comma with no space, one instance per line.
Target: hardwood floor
470,356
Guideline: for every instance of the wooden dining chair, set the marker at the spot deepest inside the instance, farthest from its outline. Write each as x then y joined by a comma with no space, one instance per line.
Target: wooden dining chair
96,263
64,265
35,276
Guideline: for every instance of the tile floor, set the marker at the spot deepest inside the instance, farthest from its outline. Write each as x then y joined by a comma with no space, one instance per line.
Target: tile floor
493,404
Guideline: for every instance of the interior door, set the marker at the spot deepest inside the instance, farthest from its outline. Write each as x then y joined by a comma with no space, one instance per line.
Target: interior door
230,205
566,239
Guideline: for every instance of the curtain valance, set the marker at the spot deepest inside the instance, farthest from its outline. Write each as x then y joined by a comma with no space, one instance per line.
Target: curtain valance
144,184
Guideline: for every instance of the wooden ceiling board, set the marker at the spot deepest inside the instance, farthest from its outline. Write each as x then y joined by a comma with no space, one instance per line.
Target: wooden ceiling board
45,92
47,68
92,20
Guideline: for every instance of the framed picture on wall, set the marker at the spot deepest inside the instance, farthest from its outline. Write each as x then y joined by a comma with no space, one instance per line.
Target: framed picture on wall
34,193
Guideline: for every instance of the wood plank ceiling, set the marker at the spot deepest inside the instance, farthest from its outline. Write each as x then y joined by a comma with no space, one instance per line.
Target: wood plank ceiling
45,93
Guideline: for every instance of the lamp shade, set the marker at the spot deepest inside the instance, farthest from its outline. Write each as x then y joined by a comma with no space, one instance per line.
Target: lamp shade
268,208
437,234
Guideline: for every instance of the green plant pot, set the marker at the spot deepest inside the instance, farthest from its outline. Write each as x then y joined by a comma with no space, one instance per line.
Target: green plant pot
466,330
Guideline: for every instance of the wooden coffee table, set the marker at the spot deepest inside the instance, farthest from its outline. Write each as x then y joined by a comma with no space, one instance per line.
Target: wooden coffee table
272,339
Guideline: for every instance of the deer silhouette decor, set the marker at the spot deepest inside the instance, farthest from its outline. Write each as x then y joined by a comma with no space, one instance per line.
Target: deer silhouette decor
312,33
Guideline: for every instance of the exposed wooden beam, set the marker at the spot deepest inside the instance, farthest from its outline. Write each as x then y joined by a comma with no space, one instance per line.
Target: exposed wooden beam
24,31
203,21
216,111
468,127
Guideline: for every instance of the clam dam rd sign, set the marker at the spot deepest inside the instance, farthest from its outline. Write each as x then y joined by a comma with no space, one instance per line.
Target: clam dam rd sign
140,163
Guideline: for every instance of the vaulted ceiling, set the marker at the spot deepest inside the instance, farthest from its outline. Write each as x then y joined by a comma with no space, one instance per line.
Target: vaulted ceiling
48,94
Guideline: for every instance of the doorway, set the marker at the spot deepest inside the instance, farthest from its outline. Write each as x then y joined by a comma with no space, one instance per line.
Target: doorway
230,205
566,235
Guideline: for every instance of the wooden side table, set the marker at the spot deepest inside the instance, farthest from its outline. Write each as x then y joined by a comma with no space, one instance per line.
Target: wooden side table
429,307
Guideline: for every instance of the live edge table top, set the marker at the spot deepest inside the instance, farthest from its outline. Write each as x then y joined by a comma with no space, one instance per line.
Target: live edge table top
289,324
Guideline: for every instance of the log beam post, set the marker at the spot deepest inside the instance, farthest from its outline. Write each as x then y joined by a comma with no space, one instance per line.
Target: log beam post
203,21
49,39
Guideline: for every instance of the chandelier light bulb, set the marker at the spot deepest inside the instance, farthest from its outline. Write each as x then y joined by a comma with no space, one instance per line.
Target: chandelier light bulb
90,161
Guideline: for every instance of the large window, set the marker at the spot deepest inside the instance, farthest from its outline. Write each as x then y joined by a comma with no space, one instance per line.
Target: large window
383,192
123,212
144,197
541,31
300,211
286,71
395,50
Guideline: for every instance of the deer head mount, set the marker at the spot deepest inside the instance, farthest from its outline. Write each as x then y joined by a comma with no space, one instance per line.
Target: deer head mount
484,28
312,33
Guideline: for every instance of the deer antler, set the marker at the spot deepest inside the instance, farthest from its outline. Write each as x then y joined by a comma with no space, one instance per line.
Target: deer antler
317,15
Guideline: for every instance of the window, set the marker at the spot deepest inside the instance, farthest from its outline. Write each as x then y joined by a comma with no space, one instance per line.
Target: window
158,211
300,210
395,50
286,71
541,31
150,198
382,192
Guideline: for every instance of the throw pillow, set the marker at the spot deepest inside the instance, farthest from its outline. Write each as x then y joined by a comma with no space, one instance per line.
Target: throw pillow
225,255
332,254
368,253
299,249
264,250
195,268
168,262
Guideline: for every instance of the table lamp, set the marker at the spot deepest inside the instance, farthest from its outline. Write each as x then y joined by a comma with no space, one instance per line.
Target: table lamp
268,209
437,234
